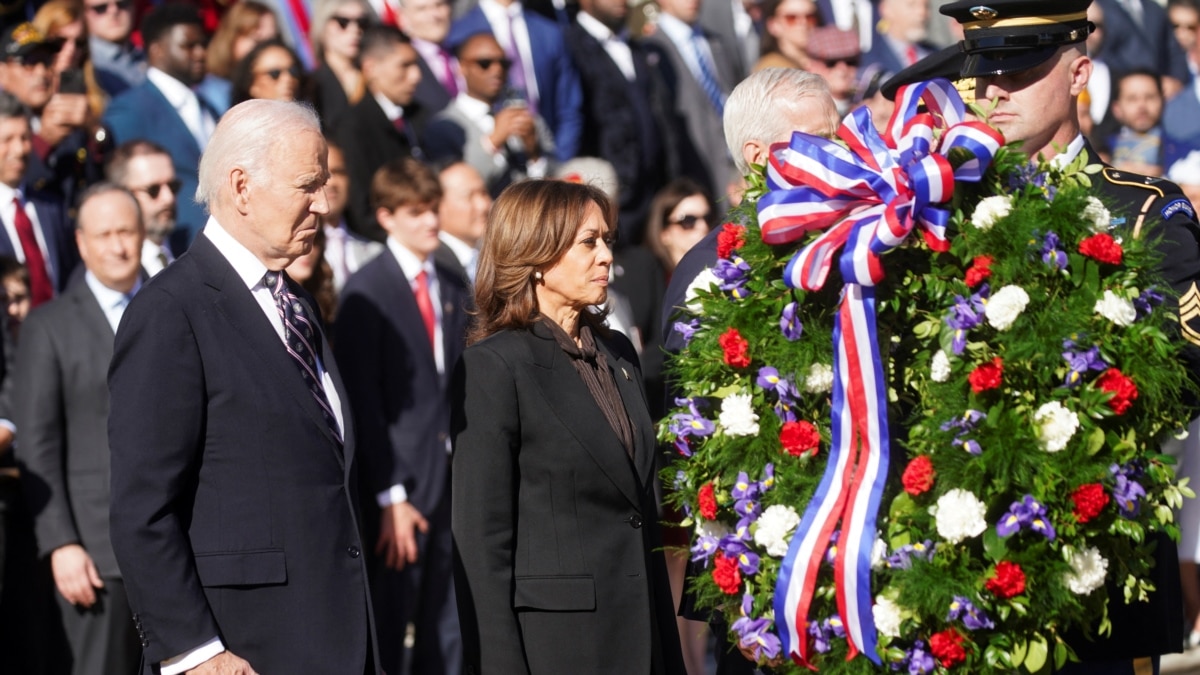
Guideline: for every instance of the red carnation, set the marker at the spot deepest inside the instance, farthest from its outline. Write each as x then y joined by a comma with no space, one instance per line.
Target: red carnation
799,437
1008,581
731,238
1123,389
986,376
708,502
725,573
1089,500
947,647
735,347
980,269
918,476
1102,247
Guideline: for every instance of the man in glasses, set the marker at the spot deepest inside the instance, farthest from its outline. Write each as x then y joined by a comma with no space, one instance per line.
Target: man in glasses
144,168
485,126
900,36
118,63
833,54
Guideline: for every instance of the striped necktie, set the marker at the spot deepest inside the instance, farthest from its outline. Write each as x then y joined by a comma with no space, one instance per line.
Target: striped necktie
708,78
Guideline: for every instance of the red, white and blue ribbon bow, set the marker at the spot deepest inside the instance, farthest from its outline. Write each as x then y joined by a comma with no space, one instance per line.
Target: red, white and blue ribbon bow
866,197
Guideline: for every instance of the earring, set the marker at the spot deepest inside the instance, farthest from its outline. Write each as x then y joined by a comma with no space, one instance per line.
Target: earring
537,275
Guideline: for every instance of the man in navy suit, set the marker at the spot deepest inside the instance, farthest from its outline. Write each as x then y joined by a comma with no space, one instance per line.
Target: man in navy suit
427,22
35,228
542,73
234,475
401,327
900,38
165,110
1139,36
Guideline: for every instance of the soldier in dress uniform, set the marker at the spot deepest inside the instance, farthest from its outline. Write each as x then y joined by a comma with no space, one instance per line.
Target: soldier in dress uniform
1030,65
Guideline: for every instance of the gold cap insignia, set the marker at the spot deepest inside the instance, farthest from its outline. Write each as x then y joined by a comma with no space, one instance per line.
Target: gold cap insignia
984,13
25,33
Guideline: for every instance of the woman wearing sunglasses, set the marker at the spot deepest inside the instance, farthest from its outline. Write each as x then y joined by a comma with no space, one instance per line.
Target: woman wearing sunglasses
679,219
271,70
337,32
247,24
788,24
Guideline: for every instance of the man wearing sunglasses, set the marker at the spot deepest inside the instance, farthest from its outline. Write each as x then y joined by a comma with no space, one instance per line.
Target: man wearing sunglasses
834,54
144,168
118,63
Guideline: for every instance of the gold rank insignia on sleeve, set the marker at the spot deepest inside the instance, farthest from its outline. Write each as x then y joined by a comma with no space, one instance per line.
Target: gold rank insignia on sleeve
1189,315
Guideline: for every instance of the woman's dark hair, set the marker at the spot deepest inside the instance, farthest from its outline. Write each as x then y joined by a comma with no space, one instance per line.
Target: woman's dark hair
660,209
241,78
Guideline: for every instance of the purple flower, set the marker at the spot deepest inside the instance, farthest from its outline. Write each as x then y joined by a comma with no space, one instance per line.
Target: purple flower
748,509
903,557
1052,253
733,274
789,323
743,488
1080,362
1029,176
768,378
704,547
966,424
834,625
689,424
916,660
831,552
971,616
687,330
680,481
1147,301
1131,470
967,313
748,562
785,401
768,480
1128,494
819,636
754,634
1027,513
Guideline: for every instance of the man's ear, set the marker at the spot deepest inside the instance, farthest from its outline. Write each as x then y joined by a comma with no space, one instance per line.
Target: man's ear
1081,74
239,187
755,152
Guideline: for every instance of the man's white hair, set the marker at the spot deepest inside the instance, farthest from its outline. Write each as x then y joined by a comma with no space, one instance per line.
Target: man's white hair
760,107
248,136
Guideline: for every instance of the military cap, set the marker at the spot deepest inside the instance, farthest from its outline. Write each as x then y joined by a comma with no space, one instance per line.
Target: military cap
1008,36
947,63
24,39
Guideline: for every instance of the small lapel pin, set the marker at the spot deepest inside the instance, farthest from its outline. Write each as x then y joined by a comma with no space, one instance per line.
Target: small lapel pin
625,373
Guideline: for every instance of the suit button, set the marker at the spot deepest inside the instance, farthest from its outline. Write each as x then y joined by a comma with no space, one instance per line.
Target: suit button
145,643
352,551
635,521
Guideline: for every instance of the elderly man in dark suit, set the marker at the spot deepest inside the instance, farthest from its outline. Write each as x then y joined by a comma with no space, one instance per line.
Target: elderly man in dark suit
234,515
62,415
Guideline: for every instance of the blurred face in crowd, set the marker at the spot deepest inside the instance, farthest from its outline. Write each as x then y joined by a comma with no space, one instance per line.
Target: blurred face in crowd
1186,21
793,22
686,225
413,226
16,301
284,204
1095,14
579,278
427,20
30,78
395,73
1037,106
73,51
110,20
15,146
180,53
905,19
686,11
839,74
484,67
337,190
465,203
276,75
344,30
109,236
1139,104
611,13
151,178
265,29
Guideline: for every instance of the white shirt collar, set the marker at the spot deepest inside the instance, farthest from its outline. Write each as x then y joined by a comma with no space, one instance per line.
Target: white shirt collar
679,32
393,111
410,264
177,93
1062,159
112,302
245,264
491,8
472,107
7,193
594,28
461,249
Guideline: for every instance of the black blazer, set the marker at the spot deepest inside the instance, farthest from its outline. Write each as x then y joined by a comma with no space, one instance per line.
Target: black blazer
233,507
62,414
559,562
401,403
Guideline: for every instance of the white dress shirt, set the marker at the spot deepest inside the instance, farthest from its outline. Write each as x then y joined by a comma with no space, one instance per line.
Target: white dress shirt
112,302
8,211
186,105
615,45
680,34
498,17
466,254
155,258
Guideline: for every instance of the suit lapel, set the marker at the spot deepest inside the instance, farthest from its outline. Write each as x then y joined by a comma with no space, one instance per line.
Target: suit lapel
409,321
452,289
234,301
181,130
576,410
629,384
48,218
91,315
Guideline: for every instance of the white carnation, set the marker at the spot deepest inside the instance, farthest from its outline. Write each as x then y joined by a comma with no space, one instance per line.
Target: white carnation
939,370
1056,425
960,515
1097,215
1088,569
711,528
1005,305
820,379
878,554
887,616
991,209
774,528
704,281
737,415
1116,309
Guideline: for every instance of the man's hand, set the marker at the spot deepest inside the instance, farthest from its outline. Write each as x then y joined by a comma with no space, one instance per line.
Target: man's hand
516,121
75,575
397,534
224,663
63,114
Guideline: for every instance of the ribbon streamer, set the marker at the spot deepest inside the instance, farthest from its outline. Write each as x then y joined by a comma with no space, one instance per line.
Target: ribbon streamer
865,197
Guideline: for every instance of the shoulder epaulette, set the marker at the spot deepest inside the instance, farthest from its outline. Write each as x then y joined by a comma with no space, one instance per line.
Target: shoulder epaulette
1133,180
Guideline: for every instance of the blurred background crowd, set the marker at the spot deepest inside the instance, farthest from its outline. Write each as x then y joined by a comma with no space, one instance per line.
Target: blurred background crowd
626,94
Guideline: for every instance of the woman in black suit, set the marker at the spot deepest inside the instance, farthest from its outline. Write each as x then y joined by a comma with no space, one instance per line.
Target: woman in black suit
558,568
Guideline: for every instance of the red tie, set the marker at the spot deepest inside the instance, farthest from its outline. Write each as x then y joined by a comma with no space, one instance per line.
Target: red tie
399,124
41,288
912,54
425,305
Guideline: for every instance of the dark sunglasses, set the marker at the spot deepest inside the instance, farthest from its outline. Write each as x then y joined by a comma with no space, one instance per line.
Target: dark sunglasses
119,5
40,57
59,43
153,190
276,73
344,22
689,221
831,63
486,64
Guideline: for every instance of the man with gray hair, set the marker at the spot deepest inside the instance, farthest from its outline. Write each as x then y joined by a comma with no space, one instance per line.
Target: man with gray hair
234,506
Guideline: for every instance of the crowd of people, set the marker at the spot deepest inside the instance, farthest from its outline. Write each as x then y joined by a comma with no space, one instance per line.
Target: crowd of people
381,229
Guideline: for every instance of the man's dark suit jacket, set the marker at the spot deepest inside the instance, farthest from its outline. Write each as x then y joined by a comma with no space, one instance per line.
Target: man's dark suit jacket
1151,46
62,417
233,506
369,140
430,94
59,234
400,400
623,123
560,568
